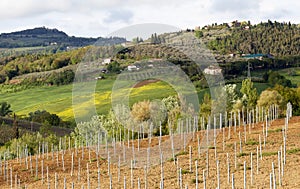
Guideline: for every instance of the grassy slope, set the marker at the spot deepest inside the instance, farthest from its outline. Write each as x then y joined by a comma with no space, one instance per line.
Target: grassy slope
58,100
54,99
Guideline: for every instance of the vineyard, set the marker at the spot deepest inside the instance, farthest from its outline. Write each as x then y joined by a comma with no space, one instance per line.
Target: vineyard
252,149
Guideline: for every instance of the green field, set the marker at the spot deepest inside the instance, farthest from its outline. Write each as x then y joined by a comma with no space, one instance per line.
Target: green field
295,78
58,99
53,99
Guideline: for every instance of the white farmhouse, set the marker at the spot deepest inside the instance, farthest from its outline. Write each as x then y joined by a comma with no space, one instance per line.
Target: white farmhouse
132,68
106,61
212,70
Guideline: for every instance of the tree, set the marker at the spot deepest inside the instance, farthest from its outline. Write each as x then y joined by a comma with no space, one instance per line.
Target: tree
137,40
88,131
42,116
198,33
238,105
158,112
249,93
155,39
231,95
291,95
268,98
141,111
45,129
275,78
5,109
171,102
60,62
172,105
114,67
205,107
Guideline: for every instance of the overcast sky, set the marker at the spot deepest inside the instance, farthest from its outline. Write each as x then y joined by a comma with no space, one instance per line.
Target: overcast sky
93,18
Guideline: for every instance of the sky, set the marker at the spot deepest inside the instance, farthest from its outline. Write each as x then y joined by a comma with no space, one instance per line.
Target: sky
94,18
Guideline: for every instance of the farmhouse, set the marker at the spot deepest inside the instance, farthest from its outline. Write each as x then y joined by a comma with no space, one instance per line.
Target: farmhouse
212,70
132,68
106,61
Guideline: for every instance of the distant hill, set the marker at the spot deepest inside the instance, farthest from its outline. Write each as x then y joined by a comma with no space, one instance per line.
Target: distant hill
45,37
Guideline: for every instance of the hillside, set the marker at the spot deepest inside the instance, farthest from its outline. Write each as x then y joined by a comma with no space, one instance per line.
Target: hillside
227,44
43,71
44,37
82,167
277,38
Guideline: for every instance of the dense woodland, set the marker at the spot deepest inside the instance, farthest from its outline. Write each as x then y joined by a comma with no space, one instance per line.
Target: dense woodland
278,39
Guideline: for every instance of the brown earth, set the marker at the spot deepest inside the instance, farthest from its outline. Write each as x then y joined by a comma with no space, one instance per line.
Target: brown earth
145,82
261,178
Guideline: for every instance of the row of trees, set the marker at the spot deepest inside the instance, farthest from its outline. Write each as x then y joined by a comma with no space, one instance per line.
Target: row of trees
248,97
49,78
235,100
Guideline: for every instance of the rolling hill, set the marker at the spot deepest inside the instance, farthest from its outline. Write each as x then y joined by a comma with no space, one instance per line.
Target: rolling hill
43,36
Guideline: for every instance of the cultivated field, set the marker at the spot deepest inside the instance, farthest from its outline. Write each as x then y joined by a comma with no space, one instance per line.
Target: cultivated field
58,99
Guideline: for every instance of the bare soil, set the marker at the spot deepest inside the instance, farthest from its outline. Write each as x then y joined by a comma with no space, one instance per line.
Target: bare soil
145,82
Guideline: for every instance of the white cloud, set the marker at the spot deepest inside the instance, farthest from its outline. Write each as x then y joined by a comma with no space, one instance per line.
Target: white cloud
234,6
20,9
117,15
101,17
